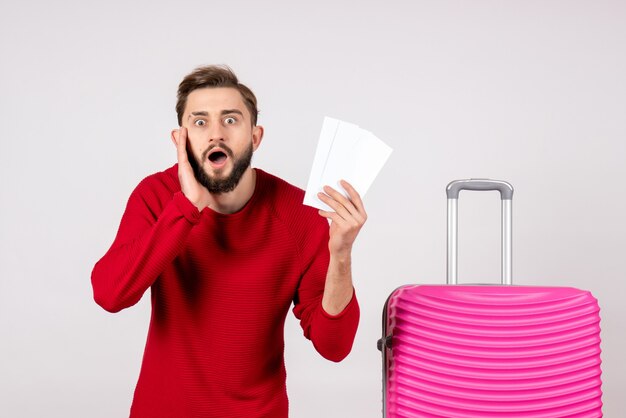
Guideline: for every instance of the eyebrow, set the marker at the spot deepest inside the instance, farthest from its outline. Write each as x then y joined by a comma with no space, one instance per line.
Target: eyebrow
202,113
229,111
223,112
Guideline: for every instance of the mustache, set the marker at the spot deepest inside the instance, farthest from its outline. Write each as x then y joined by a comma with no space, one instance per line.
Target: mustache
223,147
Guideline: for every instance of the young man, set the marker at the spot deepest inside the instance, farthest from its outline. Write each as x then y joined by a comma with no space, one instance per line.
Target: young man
225,249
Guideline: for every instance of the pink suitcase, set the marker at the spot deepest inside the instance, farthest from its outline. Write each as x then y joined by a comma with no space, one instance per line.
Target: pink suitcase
481,351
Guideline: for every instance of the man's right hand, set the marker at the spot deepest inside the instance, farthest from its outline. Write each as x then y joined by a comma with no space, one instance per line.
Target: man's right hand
194,191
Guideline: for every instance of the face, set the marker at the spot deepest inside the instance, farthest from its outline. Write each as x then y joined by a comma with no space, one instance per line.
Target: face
221,137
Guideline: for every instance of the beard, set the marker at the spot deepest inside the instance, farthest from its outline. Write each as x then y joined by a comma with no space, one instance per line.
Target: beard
218,185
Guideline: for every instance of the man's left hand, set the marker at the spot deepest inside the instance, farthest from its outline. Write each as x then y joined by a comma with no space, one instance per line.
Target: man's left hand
347,219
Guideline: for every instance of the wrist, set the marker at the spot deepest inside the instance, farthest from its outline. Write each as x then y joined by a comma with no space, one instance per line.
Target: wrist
200,205
198,202
336,304
341,256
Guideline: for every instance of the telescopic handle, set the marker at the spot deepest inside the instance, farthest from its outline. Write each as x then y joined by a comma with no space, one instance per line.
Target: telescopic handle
506,195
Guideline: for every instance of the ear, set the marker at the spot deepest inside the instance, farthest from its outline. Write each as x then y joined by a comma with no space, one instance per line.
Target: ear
175,136
257,136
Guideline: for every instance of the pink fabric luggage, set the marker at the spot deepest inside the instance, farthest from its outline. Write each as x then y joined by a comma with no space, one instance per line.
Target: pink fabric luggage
482,351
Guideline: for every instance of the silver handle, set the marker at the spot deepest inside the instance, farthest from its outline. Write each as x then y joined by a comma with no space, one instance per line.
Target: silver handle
506,195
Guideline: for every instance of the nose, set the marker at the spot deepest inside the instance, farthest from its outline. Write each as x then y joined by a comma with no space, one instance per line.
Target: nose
216,133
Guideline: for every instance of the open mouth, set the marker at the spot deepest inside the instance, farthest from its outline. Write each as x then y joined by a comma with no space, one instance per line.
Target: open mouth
217,158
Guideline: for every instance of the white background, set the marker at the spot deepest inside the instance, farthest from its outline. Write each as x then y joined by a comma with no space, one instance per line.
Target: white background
532,92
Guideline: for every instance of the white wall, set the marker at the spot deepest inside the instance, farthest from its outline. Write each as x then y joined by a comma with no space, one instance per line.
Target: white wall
532,92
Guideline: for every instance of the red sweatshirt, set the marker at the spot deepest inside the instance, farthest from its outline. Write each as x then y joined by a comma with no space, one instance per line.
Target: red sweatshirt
221,287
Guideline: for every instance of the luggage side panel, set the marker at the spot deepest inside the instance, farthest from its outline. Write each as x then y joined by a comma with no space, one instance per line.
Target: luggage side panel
492,351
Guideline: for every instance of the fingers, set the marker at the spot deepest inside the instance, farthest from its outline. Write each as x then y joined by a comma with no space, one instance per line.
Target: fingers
332,199
344,207
195,192
333,216
347,216
354,196
181,145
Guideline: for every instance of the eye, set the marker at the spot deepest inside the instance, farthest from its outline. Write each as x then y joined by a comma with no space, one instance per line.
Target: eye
200,122
230,120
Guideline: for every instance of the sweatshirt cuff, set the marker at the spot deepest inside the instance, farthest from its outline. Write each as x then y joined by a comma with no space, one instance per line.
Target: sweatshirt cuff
189,211
350,306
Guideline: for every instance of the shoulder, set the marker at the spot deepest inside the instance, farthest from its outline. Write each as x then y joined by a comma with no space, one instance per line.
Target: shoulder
286,200
285,197
271,184
163,181
157,189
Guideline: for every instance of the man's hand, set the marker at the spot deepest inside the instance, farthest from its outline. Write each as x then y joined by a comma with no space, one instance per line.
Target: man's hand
194,191
347,219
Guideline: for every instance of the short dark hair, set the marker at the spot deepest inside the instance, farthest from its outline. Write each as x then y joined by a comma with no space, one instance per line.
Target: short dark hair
213,76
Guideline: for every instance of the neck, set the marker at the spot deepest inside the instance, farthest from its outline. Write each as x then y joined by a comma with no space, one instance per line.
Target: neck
234,201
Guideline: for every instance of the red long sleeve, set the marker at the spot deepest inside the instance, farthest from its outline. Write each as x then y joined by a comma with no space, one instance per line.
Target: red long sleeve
144,246
221,287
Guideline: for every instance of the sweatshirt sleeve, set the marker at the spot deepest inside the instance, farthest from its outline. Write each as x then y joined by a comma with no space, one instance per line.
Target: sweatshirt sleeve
147,241
331,335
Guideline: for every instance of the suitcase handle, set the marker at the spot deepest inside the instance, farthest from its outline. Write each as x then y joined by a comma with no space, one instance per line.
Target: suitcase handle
506,195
